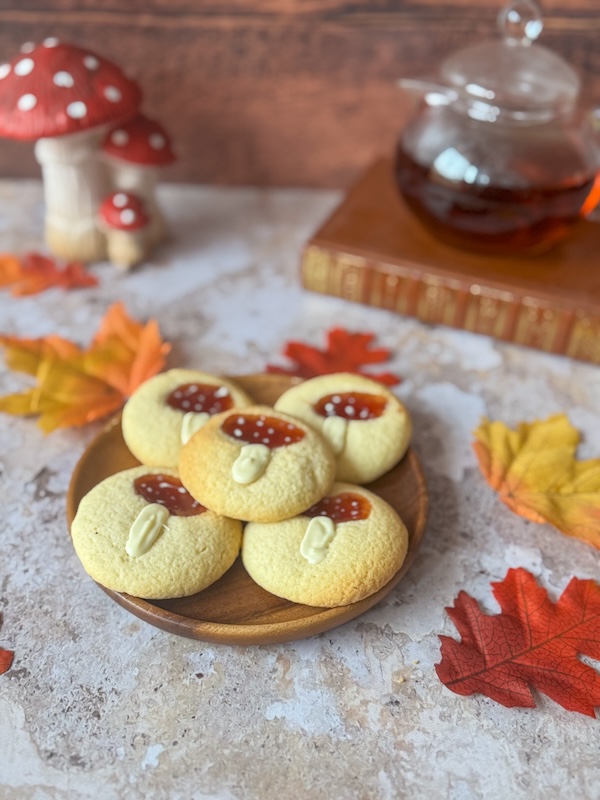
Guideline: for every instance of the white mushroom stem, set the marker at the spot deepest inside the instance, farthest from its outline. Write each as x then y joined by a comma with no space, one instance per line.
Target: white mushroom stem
126,248
75,181
140,180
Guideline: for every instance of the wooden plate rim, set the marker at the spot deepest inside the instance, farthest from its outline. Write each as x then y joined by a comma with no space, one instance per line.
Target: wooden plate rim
260,633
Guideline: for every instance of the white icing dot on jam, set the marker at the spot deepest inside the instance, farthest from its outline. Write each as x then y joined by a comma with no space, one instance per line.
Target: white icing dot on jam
203,398
247,429
351,405
168,492
344,507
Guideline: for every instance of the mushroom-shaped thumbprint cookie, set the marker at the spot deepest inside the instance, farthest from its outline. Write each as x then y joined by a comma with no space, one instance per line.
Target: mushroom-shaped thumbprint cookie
122,217
366,425
257,464
341,550
140,532
165,412
135,151
66,97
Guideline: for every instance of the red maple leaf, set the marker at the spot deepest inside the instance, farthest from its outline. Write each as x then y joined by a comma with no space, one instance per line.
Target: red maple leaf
34,273
533,643
6,656
345,352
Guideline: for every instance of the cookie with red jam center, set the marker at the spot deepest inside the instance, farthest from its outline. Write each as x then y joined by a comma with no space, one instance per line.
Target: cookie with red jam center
340,550
167,410
366,425
141,532
257,464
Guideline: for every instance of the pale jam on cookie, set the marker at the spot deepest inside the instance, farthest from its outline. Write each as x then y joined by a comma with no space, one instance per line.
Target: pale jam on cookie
168,491
351,405
344,507
259,434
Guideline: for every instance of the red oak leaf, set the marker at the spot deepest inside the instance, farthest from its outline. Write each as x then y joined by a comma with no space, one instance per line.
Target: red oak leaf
345,352
533,643
6,656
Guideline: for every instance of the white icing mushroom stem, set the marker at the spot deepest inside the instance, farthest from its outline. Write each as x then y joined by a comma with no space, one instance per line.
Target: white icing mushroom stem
191,423
251,463
75,181
146,529
319,533
334,430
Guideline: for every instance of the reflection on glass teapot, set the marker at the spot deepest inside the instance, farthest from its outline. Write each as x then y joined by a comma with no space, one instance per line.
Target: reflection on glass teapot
499,157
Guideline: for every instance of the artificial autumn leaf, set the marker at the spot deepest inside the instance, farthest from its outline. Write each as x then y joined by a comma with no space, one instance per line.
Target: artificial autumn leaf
533,643
10,269
125,353
35,273
25,355
6,659
345,352
6,656
536,474
76,386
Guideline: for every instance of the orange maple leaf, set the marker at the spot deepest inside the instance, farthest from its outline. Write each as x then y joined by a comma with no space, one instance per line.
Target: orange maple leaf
35,273
535,472
76,386
10,269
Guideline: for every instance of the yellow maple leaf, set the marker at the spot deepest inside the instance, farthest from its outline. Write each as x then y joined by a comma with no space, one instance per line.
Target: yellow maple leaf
76,386
536,473
126,353
26,355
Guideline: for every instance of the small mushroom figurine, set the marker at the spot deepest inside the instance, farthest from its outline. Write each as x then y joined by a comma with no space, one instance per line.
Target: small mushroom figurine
65,97
124,221
134,152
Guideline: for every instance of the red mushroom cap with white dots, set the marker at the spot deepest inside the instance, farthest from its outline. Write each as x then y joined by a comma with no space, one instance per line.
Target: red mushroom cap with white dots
123,211
56,88
140,141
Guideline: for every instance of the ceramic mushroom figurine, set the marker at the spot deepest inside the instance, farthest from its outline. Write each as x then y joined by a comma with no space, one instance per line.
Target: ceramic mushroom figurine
65,97
124,221
134,152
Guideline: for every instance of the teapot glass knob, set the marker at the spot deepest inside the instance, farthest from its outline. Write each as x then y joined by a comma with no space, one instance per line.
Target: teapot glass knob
520,22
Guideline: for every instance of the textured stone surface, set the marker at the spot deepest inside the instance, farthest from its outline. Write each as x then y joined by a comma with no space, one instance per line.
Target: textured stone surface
101,705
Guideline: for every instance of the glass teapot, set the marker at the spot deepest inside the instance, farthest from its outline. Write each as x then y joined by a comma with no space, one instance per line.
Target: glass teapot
499,157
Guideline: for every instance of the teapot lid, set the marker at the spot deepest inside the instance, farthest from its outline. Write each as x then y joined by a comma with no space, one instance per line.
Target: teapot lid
513,78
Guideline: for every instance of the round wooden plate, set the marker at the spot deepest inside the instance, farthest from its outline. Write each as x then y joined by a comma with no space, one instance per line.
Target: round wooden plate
235,610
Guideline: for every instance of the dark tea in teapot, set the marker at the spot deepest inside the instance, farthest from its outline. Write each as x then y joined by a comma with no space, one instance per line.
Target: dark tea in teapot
498,157
493,219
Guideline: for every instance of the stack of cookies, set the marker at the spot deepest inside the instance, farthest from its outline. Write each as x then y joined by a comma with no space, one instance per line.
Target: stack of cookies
281,483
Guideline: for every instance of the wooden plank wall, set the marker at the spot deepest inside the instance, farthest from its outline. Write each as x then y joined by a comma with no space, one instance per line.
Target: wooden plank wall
279,92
